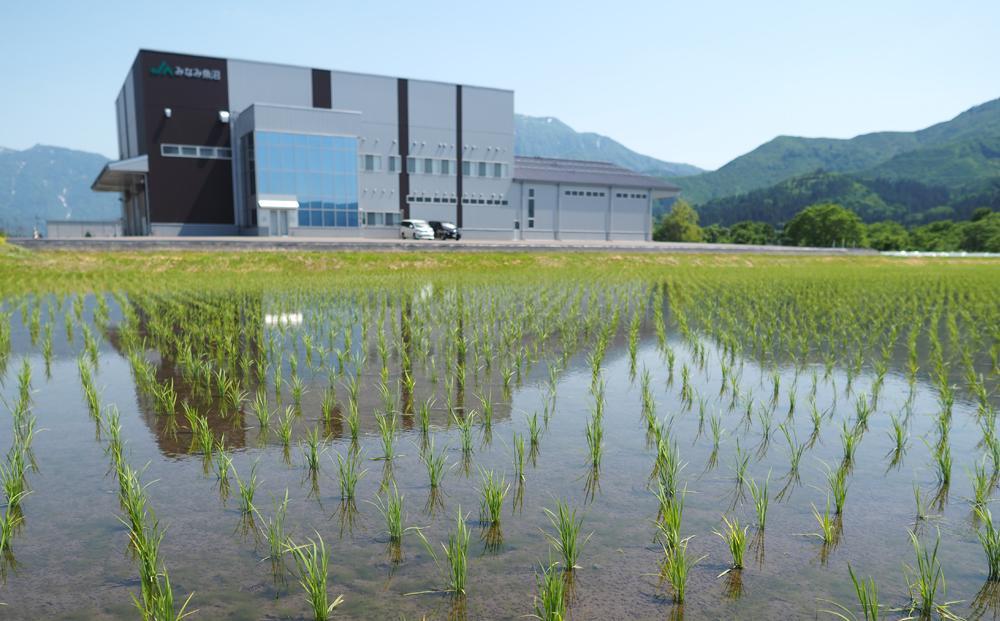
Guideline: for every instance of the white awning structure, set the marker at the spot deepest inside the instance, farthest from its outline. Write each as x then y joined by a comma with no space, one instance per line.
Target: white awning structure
121,175
277,203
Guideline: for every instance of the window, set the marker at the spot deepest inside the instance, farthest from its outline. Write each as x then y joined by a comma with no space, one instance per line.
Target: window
482,169
428,166
320,171
467,168
372,163
189,150
445,167
498,170
411,165
392,164
531,209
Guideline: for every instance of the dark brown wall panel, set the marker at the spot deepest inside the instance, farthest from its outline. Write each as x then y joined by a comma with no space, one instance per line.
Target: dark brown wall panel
322,93
403,122
186,190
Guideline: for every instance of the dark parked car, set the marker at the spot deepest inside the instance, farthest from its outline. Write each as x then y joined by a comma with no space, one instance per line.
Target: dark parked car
445,230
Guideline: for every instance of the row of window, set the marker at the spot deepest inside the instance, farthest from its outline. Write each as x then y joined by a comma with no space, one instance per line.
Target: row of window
190,150
374,218
583,193
433,166
629,195
312,217
453,200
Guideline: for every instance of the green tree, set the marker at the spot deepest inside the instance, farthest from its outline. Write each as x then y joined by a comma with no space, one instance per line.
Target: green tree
826,225
752,232
941,236
888,235
715,234
982,234
681,224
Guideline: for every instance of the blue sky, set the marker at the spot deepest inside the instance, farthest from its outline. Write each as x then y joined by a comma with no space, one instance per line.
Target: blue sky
697,82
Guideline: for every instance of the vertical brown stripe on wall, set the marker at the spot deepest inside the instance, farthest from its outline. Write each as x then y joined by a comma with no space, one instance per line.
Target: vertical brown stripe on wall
403,122
322,94
458,154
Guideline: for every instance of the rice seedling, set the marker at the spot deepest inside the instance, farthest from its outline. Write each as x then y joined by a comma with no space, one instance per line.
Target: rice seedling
518,456
735,537
350,473
595,440
989,537
464,424
899,435
311,449
435,463
717,430
493,491
550,603
849,438
827,524
391,508
534,433
566,539
387,432
837,482
867,594
982,483
261,409
286,427
273,530
941,453
668,522
456,556
677,564
742,462
248,489
424,416
353,419
760,500
922,513
926,580
329,403
312,566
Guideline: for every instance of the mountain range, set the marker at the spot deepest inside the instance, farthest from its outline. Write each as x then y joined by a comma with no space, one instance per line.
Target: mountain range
546,136
961,155
50,183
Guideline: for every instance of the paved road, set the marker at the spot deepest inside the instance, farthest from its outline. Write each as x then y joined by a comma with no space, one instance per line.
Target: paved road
397,245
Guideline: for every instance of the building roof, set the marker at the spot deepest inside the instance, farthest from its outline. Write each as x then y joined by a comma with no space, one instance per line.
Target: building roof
117,176
582,172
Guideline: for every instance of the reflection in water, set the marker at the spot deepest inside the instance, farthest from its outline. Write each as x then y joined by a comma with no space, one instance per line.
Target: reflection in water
986,603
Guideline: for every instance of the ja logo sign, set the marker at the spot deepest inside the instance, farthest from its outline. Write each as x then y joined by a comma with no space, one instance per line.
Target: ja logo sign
163,69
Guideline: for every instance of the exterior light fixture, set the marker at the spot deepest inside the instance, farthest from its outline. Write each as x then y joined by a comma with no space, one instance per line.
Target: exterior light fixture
223,116
167,112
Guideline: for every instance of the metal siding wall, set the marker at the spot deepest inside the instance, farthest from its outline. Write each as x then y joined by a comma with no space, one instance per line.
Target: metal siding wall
583,217
432,135
487,135
131,124
376,97
630,214
252,82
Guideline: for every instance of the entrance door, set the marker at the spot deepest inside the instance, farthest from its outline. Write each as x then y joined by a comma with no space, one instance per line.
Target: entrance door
279,223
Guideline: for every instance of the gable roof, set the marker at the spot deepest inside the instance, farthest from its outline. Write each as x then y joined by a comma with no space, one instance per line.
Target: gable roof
582,172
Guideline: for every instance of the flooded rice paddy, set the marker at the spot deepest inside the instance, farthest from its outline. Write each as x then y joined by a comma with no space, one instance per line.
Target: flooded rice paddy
859,409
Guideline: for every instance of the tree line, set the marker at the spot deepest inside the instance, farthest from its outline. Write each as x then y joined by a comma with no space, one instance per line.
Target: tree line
829,224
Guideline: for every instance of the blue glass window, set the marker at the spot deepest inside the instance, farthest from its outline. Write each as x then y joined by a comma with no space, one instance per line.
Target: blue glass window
321,172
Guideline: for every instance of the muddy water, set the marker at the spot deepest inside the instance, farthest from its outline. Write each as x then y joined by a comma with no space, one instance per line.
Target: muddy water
70,558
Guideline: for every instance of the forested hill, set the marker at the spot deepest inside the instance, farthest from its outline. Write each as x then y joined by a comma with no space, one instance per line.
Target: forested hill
873,199
959,154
